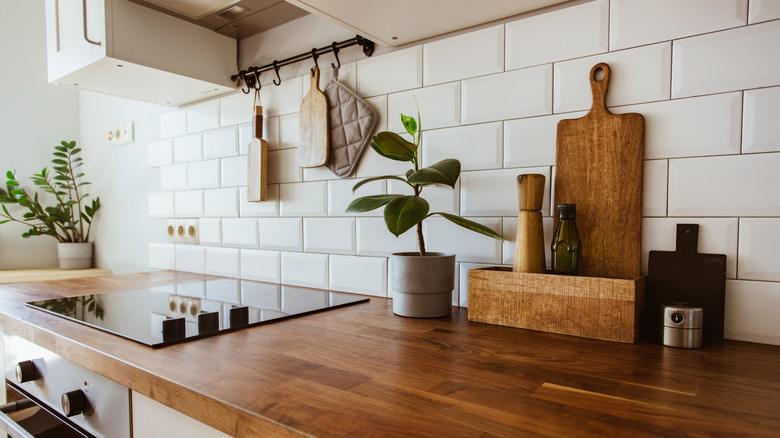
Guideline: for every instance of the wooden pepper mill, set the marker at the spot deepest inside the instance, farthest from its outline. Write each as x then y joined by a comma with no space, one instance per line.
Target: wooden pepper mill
529,244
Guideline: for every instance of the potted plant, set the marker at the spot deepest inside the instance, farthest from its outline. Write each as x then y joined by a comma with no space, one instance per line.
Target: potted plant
422,282
69,220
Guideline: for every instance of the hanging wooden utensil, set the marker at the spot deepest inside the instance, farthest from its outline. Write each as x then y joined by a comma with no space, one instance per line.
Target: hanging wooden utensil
313,125
257,175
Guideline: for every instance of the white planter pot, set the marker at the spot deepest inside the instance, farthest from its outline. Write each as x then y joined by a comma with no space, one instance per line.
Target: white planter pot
422,286
75,255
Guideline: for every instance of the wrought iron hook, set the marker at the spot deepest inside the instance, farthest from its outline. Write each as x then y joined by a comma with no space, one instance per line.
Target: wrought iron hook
242,77
336,54
276,69
315,56
258,85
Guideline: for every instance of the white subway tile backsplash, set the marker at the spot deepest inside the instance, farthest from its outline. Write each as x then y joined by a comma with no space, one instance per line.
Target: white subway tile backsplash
636,76
234,171
373,164
758,242
191,258
159,153
379,104
538,39
283,166
347,76
239,233
340,196
494,192
396,71
442,235
439,107
510,236
261,295
464,56
751,311
269,207
160,205
654,188
281,233
222,261
173,123
510,95
236,109
188,148
261,265
203,116
221,202
288,132
763,10
373,238
244,137
318,174
362,275
283,99
162,256
220,143
635,23
203,174
306,270
304,199
271,132
210,231
731,60
531,141
724,186
329,235
760,129
477,147
442,198
173,177
188,203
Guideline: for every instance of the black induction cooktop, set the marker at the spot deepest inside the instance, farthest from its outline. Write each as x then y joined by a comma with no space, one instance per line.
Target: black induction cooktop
165,315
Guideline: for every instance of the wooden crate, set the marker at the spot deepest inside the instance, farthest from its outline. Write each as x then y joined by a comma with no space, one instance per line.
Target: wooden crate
589,307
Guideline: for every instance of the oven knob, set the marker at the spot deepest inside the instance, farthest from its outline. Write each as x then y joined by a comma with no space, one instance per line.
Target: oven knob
74,403
26,371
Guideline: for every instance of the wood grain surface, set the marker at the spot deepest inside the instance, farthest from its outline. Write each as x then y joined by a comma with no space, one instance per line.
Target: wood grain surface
257,173
529,239
313,132
361,371
599,168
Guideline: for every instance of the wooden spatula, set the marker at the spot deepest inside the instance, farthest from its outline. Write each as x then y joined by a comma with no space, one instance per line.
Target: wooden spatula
257,174
313,125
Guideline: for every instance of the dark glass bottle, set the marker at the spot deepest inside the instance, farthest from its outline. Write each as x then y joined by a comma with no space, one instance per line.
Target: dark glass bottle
566,245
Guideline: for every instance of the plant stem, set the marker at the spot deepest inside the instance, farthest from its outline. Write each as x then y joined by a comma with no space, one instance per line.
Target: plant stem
80,237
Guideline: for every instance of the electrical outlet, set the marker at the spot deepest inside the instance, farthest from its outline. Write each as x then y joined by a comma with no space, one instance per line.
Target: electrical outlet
120,134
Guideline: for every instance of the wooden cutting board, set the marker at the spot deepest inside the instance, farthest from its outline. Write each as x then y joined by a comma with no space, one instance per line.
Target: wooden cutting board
685,276
313,125
599,168
257,174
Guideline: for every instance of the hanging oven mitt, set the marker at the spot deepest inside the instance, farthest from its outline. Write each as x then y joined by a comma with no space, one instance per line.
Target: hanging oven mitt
351,122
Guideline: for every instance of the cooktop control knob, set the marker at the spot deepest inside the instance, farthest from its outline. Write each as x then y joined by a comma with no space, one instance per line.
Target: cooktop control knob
26,371
74,403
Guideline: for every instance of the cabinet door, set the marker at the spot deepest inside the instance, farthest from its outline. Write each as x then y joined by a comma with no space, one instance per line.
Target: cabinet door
72,44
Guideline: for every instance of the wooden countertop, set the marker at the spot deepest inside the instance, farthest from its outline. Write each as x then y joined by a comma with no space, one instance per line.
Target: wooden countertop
25,275
361,371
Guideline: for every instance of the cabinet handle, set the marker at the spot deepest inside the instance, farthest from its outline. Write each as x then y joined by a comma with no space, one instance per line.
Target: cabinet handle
8,425
97,43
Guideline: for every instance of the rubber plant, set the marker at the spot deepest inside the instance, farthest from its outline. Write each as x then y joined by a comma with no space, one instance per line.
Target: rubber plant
402,212
70,218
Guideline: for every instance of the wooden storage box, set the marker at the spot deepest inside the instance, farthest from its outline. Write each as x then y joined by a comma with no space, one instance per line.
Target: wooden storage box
589,307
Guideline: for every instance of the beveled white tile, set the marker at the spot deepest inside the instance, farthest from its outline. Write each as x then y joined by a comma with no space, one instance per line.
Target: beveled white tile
494,192
162,256
288,131
203,116
220,143
391,72
307,270
548,37
173,123
239,232
340,196
442,235
761,130
373,238
188,148
462,285
244,137
464,56
271,132
236,109
379,104
188,203
477,147
269,207
329,235
751,311
221,202
759,239
321,173
654,188
261,265
159,153
442,198
191,258
160,205
283,166
304,199
636,76
281,233
362,275
635,23
724,186
439,107
763,10
222,261
510,236
347,76
203,174
283,99
716,236
173,177
531,141
373,164
699,126
234,171
210,231
730,60
519,93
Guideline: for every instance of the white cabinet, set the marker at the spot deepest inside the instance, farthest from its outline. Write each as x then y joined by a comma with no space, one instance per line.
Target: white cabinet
152,419
124,49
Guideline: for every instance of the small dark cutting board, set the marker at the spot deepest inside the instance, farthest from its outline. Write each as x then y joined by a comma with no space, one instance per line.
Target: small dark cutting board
685,276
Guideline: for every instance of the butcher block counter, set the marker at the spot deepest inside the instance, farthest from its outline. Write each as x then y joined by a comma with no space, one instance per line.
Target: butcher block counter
361,371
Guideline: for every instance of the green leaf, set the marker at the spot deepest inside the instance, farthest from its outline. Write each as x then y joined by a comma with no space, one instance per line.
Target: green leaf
444,172
3,222
60,154
75,151
61,178
404,212
25,202
391,145
59,161
376,178
10,175
410,124
368,203
469,225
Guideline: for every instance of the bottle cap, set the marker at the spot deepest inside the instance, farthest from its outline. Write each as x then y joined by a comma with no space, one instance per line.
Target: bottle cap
567,211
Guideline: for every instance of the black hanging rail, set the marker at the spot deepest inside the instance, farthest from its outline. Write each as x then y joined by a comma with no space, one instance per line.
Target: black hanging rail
251,76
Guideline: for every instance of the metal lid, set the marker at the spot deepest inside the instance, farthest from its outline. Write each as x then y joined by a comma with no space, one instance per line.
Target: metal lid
683,316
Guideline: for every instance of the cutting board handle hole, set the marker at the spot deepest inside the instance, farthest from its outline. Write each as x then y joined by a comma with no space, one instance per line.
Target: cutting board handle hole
599,74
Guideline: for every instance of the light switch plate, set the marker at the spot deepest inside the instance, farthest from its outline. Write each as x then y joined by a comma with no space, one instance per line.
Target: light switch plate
120,134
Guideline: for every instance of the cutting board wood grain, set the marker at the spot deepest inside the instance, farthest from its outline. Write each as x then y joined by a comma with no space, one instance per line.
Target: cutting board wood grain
686,276
257,174
313,125
599,168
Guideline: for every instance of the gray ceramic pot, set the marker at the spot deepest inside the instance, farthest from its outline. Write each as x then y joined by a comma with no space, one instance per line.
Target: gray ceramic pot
422,286
75,255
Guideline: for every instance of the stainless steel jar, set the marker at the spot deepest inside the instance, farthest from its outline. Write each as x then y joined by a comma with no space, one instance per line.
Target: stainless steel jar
682,326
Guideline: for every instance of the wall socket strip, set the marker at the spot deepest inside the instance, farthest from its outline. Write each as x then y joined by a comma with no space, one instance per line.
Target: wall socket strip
120,134
183,231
